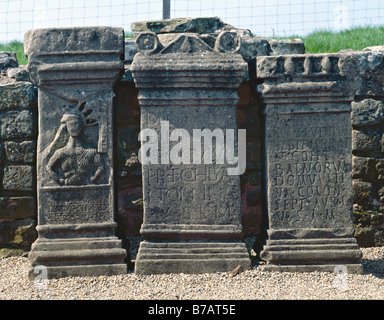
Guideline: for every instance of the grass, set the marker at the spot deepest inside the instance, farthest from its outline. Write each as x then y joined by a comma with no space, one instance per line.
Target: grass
129,34
316,42
15,46
355,38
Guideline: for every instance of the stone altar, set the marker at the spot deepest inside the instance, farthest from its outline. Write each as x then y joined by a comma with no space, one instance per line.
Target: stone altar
308,162
192,218
74,70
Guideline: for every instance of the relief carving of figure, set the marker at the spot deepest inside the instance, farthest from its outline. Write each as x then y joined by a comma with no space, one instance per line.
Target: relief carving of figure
76,163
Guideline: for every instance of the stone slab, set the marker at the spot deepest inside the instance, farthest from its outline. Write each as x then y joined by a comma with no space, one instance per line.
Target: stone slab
18,178
180,25
20,152
17,124
201,257
18,94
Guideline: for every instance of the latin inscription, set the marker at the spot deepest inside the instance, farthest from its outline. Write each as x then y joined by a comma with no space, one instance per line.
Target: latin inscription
191,194
80,206
309,168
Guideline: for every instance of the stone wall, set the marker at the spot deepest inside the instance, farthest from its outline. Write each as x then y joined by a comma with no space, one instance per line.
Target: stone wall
18,133
368,148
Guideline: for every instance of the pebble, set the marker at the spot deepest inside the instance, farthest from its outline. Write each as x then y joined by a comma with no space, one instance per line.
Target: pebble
254,284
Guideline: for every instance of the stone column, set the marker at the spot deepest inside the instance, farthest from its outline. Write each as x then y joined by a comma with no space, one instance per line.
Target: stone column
74,70
192,219
308,162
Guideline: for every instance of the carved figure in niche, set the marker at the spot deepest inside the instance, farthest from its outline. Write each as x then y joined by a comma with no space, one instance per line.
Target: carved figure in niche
76,163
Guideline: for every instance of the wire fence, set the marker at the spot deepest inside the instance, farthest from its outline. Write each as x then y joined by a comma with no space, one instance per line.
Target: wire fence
286,18
269,18
18,16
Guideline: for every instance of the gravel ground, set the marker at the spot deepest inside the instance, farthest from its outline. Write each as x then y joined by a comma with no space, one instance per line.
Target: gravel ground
253,284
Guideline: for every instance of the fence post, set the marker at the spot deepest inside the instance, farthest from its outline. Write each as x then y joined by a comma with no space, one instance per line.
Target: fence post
166,9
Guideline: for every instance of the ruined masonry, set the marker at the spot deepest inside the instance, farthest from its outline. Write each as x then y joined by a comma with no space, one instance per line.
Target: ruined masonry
75,186
308,161
192,218
194,214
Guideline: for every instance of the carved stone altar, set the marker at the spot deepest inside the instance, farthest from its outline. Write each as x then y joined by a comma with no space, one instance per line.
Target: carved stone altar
192,219
74,70
308,161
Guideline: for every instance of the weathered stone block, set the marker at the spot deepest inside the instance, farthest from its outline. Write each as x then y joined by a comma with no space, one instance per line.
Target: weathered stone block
369,60
365,141
362,192
286,46
365,236
379,48
17,207
180,25
17,124
364,168
309,162
20,152
8,59
367,112
254,47
19,232
19,94
19,74
18,178
130,50
369,79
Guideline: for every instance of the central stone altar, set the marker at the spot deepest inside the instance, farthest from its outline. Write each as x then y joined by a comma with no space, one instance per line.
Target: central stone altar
192,218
